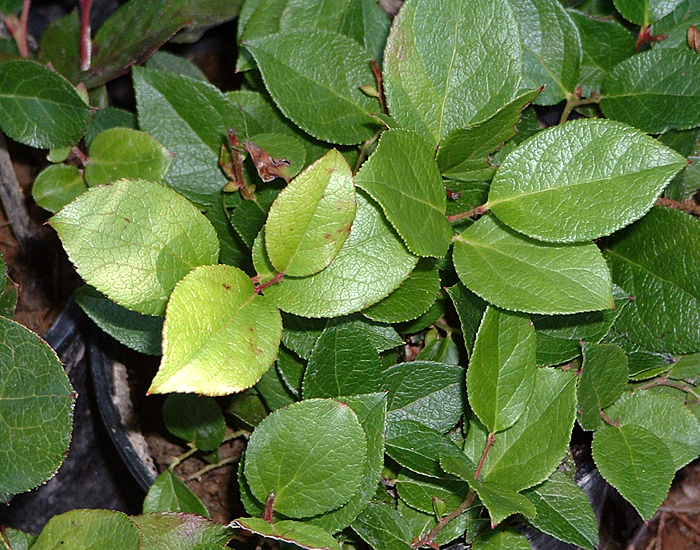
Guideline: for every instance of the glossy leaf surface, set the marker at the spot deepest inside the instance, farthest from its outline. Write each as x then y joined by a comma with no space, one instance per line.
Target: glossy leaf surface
297,533
581,180
310,455
402,176
311,218
220,336
57,185
603,379
531,276
134,240
168,493
502,371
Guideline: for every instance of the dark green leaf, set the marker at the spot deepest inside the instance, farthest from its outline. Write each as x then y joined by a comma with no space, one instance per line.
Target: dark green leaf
425,392
8,292
655,91
135,330
470,309
563,511
464,153
500,539
552,48
291,369
402,176
437,75
166,61
656,260
368,24
383,527
36,405
502,371
441,350
248,407
647,12
60,46
297,533
311,455
39,107
332,107
418,491
273,391
602,381
517,273
637,463
168,493
104,119
195,418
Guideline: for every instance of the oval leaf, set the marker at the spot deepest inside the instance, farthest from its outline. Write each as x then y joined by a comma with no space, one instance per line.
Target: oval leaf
603,379
125,153
332,68
656,260
304,535
36,406
195,418
39,108
636,463
502,371
79,529
435,74
134,240
581,180
403,177
370,265
308,456
311,218
655,91
514,272
647,12
57,185
168,493
219,336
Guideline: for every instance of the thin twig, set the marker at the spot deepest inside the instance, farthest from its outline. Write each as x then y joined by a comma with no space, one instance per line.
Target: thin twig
209,467
610,421
686,206
687,523
364,151
427,539
85,38
489,443
178,459
573,102
13,201
380,86
476,211
664,381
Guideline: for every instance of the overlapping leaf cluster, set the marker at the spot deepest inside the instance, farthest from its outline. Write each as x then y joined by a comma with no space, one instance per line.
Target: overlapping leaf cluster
425,188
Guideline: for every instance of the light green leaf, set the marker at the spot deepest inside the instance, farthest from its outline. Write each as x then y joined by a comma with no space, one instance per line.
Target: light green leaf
57,185
545,425
402,176
311,218
370,265
36,406
655,91
412,299
80,529
178,531
514,272
195,418
190,118
418,491
332,107
501,539
581,180
552,48
647,12
464,153
605,44
559,336
38,107
470,309
383,527
142,333
500,500
449,63
656,260
311,455
219,336
602,381
665,417
299,534
502,371
563,511
168,493
417,447
637,463
134,240
124,153
426,392
343,362
371,412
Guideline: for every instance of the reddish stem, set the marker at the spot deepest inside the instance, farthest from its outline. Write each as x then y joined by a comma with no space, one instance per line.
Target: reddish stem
428,539
645,37
85,40
18,29
269,505
380,86
262,286
478,211
82,157
489,442
686,206
608,420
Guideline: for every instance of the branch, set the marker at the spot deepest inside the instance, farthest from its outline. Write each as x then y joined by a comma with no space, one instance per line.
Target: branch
577,101
428,539
686,206
85,40
664,381
19,29
489,442
477,211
